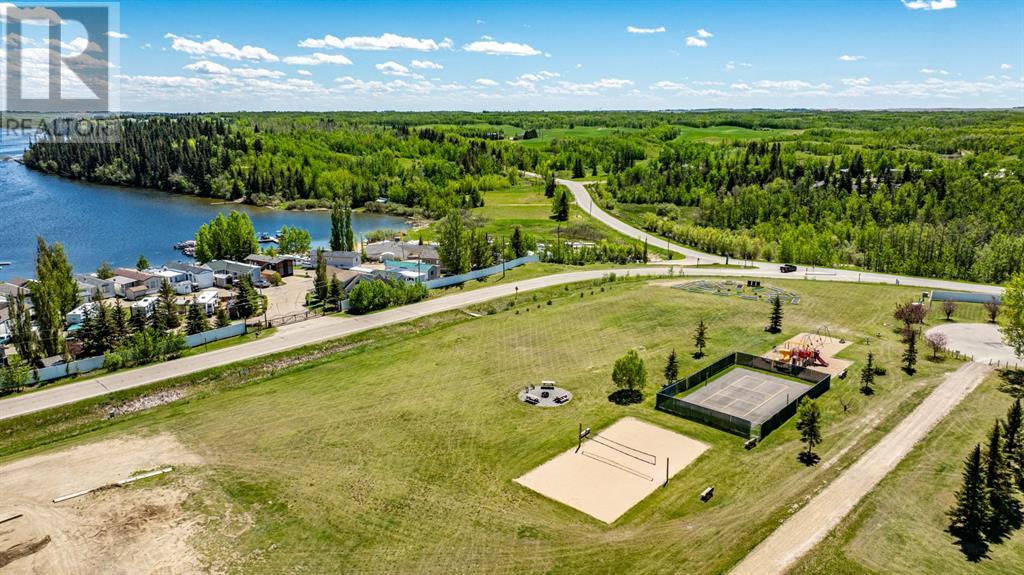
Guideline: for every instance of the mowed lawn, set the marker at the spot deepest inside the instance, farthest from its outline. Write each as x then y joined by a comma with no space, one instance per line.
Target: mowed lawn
401,457
900,526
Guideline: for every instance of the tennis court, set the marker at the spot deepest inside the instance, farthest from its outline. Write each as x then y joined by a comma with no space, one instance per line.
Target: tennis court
746,394
614,469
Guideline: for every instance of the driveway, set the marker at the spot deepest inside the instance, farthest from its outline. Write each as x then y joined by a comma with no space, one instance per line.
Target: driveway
809,526
981,341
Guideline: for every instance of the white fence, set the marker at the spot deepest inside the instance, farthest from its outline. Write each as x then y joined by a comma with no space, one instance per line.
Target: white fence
88,364
478,274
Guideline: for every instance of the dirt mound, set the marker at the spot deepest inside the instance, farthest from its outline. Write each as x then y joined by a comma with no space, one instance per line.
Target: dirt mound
135,529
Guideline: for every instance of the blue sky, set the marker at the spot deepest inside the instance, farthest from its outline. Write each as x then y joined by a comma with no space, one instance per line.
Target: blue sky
217,56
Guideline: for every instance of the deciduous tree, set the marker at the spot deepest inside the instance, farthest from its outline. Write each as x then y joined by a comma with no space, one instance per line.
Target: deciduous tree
1013,330
937,341
949,308
629,372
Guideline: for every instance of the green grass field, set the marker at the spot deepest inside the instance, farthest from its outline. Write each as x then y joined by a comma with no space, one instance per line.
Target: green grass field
900,526
398,454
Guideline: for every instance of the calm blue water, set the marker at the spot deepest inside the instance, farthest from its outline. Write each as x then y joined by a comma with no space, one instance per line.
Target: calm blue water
97,223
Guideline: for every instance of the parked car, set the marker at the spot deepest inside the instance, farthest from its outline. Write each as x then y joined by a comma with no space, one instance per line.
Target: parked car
261,283
787,268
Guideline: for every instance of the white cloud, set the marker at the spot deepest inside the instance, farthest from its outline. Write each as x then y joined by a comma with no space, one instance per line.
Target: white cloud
383,42
790,85
1005,67
539,76
934,71
501,48
523,84
426,65
213,68
219,49
731,65
391,68
589,88
208,67
704,33
635,30
303,72
485,82
118,35
929,4
849,58
856,81
696,42
316,59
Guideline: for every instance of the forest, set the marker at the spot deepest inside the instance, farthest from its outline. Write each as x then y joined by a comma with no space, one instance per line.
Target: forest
920,193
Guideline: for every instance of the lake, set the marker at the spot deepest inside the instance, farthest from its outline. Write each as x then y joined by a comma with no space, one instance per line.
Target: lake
106,223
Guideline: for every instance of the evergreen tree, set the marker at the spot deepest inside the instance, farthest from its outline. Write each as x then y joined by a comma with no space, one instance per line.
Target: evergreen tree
549,185
336,294
910,353
1005,511
672,368
196,321
560,206
223,319
1013,444
166,315
808,423
867,375
139,321
121,318
247,303
349,234
775,320
518,242
577,168
970,514
142,263
700,339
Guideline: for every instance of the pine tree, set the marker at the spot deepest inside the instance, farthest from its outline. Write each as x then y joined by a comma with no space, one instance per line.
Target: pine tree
549,185
196,321
775,320
970,514
247,303
336,293
1005,513
577,169
672,368
166,316
910,353
142,263
560,206
1013,443
518,242
121,318
223,319
139,321
700,339
867,375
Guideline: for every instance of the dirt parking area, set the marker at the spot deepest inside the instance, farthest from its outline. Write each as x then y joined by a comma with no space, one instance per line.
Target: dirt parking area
134,529
981,341
289,298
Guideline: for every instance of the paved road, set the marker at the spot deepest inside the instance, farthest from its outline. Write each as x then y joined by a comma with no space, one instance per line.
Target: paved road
325,328
809,526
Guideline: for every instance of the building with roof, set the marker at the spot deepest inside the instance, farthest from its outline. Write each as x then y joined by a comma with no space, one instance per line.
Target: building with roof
127,283
234,270
419,270
282,265
77,315
177,278
396,250
89,285
342,260
349,278
201,277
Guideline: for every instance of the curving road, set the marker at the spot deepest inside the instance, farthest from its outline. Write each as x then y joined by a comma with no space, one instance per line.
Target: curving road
585,203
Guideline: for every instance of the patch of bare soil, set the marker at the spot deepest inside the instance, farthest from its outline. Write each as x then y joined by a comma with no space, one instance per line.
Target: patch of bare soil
134,529
146,402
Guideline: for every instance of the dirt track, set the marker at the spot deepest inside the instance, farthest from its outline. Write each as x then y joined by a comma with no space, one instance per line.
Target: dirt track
809,526
124,530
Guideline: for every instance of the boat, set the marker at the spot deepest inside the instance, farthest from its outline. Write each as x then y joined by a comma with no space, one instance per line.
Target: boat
267,239
2,264
185,244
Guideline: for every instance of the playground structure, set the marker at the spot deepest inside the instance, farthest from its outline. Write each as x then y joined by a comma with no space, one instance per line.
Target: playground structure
816,349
